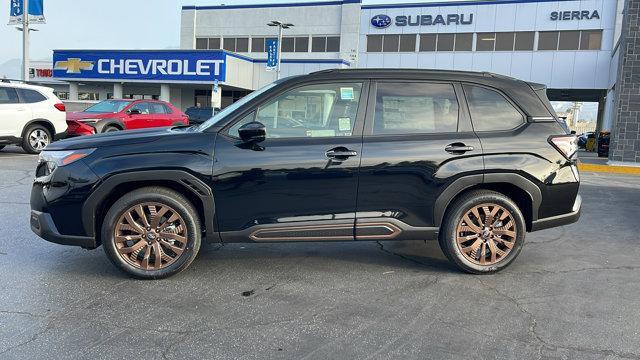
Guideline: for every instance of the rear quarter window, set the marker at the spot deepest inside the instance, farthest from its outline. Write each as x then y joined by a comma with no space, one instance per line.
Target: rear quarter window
30,96
490,110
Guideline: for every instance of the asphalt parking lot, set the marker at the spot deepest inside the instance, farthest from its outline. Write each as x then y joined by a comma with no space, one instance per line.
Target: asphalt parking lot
573,293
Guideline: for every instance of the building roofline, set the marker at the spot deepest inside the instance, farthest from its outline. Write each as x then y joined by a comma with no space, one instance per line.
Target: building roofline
454,3
228,53
272,5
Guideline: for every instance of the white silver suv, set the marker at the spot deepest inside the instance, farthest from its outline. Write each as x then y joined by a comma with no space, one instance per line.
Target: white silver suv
30,116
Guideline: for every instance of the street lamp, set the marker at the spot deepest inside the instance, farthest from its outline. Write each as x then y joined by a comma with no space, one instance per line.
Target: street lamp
281,26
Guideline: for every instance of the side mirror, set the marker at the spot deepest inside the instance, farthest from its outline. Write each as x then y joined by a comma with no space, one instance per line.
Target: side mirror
134,112
254,132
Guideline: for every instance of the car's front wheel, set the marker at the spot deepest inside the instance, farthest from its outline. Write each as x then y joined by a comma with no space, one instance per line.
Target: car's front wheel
110,128
151,233
483,232
36,138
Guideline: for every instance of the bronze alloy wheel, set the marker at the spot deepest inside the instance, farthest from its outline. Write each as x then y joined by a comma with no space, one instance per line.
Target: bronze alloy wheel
486,234
150,236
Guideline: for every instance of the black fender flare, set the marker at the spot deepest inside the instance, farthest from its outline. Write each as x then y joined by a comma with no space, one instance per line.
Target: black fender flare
188,181
465,182
100,125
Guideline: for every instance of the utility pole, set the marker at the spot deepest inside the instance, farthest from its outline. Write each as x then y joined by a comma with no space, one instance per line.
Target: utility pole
25,40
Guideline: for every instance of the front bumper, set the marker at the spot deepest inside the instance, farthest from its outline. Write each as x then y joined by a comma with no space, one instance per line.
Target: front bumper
42,224
559,220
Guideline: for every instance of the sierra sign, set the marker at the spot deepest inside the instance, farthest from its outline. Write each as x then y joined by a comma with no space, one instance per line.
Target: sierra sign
160,66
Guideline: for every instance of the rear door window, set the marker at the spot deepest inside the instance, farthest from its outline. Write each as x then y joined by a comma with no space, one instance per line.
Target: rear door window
157,108
30,96
490,110
8,96
414,107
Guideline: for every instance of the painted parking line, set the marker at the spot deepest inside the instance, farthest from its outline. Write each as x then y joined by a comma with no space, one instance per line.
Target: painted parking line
629,170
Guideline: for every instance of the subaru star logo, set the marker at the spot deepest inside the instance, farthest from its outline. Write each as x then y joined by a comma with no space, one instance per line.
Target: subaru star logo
381,21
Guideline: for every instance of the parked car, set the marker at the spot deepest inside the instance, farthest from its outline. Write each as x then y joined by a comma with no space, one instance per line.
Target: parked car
30,116
582,139
123,114
474,160
198,115
603,143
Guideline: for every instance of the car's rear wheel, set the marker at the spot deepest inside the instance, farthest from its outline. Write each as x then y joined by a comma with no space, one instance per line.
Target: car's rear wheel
483,232
151,233
36,138
110,129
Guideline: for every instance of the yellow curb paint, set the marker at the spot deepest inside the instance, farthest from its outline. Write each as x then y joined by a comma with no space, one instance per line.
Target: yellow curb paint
609,168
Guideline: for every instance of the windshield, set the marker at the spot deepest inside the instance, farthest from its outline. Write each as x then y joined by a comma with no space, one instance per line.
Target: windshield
108,106
231,108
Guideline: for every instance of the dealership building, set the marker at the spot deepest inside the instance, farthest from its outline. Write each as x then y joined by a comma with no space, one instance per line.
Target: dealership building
583,50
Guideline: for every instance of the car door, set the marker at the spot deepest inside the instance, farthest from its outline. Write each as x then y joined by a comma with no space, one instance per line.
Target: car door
13,114
300,183
138,115
160,115
417,140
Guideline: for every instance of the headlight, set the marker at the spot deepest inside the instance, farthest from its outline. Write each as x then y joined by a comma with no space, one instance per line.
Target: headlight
89,121
64,157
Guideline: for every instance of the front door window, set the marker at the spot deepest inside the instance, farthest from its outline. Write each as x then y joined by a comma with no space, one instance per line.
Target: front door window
322,110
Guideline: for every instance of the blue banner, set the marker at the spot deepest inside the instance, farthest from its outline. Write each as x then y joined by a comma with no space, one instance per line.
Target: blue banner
36,12
160,66
272,53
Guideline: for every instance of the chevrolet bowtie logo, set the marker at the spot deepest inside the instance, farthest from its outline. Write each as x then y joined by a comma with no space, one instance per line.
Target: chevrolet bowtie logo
73,65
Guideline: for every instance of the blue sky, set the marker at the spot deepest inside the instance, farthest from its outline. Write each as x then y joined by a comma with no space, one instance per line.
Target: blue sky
112,24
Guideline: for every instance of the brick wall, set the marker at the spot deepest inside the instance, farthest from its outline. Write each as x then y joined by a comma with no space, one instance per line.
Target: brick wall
625,141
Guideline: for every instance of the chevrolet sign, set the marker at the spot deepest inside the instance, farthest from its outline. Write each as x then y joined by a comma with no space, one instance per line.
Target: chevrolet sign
176,66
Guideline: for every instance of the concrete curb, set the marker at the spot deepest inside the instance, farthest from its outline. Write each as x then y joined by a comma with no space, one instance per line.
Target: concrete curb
629,170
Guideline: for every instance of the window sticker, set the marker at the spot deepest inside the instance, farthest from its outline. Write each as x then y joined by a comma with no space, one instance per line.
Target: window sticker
346,93
344,124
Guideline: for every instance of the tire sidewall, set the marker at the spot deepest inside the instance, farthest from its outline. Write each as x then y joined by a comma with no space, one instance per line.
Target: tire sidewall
449,235
177,202
26,146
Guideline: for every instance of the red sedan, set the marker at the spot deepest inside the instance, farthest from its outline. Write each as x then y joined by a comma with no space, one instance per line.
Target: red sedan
116,115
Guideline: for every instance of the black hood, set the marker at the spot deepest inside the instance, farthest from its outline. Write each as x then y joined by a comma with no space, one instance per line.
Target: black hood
116,138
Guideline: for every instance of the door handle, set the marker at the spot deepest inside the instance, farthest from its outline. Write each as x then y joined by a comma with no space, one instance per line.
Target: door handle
340,153
458,148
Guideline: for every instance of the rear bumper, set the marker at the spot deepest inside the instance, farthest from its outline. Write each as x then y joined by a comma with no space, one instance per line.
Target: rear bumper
42,224
60,136
560,220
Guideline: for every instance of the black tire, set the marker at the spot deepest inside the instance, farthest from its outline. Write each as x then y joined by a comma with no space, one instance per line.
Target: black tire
2,147
454,217
36,137
163,196
110,128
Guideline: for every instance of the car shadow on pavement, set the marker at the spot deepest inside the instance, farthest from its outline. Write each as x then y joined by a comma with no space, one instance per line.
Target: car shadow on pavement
254,258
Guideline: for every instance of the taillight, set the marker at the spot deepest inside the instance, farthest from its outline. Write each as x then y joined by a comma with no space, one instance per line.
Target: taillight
60,106
567,145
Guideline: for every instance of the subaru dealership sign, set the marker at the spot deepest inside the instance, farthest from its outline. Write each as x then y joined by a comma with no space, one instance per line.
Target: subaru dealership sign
165,66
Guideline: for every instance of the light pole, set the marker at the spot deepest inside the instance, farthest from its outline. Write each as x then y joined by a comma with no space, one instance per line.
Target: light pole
25,40
281,26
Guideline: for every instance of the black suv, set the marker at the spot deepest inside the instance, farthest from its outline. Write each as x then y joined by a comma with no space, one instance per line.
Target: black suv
475,160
